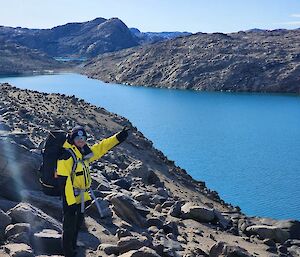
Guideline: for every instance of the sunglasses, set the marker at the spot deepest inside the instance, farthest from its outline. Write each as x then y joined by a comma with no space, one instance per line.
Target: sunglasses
77,138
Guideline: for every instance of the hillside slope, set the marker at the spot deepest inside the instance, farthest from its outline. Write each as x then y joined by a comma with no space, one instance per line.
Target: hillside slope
151,207
264,61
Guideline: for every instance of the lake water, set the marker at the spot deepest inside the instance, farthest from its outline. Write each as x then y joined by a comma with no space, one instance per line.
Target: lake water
245,146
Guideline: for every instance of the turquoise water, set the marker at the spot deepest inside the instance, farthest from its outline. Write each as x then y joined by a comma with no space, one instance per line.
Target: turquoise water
245,146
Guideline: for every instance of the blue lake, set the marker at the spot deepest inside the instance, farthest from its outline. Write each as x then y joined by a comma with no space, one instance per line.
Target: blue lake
245,146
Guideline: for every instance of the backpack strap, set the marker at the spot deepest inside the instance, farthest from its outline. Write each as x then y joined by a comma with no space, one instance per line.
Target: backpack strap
74,162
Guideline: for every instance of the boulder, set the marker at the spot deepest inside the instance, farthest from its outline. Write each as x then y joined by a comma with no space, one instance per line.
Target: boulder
49,204
128,243
268,232
171,227
124,183
19,238
5,220
141,170
18,250
142,252
122,232
221,249
142,197
170,246
18,170
198,213
100,182
22,139
290,226
18,233
109,249
222,221
26,213
104,206
125,208
5,127
175,210
17,228
47,241
5,204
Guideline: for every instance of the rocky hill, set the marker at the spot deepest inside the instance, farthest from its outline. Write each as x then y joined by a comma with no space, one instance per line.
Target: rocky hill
153,37
254,61
74,39
152,208
16,59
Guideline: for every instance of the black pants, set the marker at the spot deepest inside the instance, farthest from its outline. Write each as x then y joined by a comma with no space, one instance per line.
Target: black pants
72,221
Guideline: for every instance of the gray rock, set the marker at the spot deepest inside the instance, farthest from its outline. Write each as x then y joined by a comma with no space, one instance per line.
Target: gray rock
221,249
5,220
123,183
26,213
198,213
125,208
22,139
18,250
109,249
141,170
100,182
128,243
104,206
142,252
168,204
153,221
19,238
142,197
48,204
122,232
17,177
5,204
175,210
221,220
282,249
171,227
268,232
5,127
269,242
291,242
17,228
47,241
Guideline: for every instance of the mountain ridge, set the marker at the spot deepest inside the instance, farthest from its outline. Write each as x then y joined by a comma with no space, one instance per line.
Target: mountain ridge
243,61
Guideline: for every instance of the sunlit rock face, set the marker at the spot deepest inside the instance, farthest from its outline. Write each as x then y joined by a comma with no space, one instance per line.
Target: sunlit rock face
265,61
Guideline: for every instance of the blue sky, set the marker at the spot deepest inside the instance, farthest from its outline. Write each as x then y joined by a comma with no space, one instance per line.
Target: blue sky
157,15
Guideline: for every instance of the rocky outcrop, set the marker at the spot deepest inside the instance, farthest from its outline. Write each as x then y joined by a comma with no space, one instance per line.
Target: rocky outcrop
74,39
244,61
18,59
150,207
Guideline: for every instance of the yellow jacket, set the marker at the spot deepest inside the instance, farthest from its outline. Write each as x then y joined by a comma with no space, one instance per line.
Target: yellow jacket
81,177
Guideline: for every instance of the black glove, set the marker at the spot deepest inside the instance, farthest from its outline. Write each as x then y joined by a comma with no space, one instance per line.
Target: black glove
121,136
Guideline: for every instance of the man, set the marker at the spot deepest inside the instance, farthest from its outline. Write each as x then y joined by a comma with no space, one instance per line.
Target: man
75,185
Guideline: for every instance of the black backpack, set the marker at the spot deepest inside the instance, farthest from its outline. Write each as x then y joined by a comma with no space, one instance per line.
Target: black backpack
51,153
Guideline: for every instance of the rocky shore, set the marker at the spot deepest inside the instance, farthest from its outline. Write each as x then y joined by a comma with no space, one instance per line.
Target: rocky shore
253,61
17,59
152,207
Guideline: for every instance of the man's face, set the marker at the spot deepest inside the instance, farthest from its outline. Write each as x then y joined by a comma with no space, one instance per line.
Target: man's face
80,141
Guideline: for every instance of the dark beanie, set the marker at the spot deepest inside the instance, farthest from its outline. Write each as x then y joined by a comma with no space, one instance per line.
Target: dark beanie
77,131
